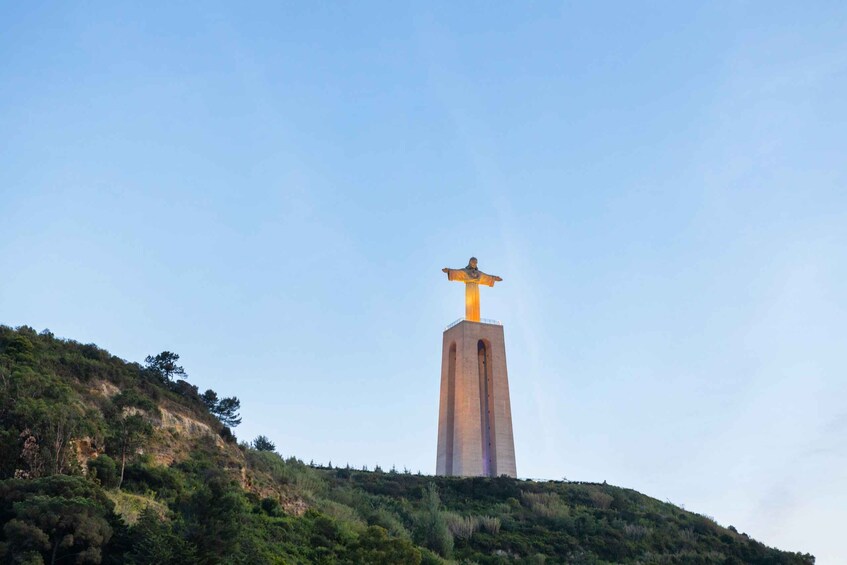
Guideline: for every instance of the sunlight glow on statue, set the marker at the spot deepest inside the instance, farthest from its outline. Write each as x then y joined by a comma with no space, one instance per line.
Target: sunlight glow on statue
472,277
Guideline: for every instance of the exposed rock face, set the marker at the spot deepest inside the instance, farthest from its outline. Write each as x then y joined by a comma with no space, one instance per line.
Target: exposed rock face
104,388
86,449
294,506
176,434
183,424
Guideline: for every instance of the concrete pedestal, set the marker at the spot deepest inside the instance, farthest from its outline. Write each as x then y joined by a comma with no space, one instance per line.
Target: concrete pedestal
475,416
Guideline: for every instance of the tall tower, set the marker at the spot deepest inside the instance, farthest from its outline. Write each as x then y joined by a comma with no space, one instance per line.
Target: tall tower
475,414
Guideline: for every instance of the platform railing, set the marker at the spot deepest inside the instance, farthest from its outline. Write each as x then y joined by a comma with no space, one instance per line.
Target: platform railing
481,321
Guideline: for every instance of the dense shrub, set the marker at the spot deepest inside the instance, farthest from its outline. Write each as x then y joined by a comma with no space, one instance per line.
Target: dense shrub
141,478
431,529
105,470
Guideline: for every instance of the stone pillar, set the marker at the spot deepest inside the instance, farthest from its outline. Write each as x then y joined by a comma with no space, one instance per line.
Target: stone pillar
475,414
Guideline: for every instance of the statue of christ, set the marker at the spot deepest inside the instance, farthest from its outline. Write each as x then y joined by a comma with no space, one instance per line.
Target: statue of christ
472,277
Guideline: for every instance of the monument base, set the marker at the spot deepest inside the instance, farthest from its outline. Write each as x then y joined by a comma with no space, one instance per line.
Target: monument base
475,415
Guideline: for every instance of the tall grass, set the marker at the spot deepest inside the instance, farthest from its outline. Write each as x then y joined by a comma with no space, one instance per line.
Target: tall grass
546,504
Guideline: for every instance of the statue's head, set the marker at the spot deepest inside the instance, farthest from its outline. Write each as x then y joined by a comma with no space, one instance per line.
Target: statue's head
472,263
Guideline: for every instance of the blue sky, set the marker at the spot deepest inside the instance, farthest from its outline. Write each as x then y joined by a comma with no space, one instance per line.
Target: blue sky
271,191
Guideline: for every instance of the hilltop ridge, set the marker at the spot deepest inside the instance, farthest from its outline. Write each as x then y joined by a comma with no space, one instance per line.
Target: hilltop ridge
108,461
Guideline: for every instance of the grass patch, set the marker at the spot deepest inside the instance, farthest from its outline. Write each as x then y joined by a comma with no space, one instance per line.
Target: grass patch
129,506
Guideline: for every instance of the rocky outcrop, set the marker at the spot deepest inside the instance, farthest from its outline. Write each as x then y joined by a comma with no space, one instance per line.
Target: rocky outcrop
104,389
184,424
85,449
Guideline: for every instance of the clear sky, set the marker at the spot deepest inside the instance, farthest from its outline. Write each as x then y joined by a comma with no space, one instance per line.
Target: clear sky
271,190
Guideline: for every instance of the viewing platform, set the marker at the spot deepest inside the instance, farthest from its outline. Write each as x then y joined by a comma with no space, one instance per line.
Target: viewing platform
481,321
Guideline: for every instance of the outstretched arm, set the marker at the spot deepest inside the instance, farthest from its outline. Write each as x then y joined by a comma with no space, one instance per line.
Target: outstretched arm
454,274
488,280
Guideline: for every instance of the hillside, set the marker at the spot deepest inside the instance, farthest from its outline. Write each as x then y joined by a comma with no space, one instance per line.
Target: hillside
105,461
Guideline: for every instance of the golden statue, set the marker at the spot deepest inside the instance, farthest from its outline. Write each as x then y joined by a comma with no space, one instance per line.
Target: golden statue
472,277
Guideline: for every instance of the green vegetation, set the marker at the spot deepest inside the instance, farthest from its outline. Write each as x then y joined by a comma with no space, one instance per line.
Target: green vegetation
262,443
104,461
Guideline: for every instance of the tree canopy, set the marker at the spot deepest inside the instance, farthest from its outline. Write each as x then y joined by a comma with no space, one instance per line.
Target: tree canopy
164,366
262,443
226,411
54,518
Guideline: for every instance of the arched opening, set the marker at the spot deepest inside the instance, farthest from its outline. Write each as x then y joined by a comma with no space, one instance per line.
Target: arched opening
486,410
451,408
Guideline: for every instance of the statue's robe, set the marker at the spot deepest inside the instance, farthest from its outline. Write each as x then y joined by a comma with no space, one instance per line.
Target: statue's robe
472,279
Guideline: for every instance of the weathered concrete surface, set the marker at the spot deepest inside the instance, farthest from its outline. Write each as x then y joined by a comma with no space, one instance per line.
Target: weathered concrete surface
475,414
